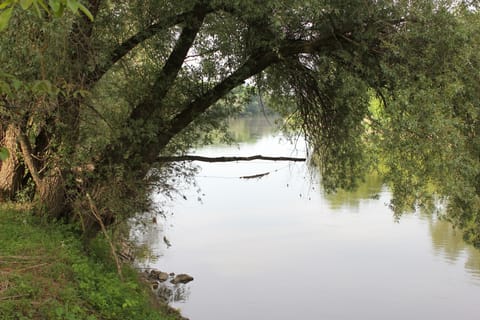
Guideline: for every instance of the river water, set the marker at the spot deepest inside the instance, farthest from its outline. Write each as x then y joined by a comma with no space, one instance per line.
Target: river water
279,248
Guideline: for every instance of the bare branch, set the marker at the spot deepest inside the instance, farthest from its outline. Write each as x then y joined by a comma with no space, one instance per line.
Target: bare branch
97,215
255,176
14,297
227,159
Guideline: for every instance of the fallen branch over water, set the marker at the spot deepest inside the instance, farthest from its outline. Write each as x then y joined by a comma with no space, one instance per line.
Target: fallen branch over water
256,176
226,159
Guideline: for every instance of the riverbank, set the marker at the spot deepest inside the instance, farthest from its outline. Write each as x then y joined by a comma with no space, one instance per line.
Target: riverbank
46,273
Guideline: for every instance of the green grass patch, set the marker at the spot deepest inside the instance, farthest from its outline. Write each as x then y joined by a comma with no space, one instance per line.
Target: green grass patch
45,273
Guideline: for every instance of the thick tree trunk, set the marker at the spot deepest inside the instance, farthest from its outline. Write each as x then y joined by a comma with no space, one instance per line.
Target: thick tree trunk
11,171
50,187
51,194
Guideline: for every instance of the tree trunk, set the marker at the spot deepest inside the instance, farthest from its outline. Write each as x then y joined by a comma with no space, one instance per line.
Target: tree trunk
11,170
50,187
51,193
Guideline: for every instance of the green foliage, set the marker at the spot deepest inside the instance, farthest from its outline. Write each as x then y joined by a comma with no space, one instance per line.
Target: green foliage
55,7
5,16
428,127
46,274
159,77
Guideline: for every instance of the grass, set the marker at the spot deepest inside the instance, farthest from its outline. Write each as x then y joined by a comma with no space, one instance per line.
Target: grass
45,273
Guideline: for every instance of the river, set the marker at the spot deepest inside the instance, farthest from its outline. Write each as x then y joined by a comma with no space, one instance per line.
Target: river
280,248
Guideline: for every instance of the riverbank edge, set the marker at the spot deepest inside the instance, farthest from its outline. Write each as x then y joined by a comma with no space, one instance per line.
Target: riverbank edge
47,273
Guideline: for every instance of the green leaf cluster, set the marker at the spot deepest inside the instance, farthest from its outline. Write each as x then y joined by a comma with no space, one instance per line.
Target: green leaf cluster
55,7
428,139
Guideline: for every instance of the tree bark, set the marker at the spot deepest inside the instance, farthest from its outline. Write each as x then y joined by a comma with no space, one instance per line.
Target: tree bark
50,188
11,170
52,195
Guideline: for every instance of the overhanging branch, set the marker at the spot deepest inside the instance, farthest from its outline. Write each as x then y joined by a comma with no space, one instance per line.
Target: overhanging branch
190,111
128,45
170,70
227,159
255,64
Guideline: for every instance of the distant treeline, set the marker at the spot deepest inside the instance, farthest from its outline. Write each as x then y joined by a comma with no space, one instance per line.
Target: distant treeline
256,106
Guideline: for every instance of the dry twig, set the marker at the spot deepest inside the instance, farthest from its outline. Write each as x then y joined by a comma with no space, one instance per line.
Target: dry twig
95,213
14,297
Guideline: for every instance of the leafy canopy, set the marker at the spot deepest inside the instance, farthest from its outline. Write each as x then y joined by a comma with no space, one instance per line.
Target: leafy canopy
388,85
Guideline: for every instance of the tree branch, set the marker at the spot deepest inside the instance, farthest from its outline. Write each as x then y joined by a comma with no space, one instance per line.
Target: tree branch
256,63
82,31
96,214
128,45
255,176
258,60
27,157
169,72
227,159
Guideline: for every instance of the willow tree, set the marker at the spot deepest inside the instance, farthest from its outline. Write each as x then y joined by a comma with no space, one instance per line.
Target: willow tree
88,106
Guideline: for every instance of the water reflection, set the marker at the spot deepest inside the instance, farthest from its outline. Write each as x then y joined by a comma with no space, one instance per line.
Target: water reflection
448,243
250,129
369,189
172,293
263,250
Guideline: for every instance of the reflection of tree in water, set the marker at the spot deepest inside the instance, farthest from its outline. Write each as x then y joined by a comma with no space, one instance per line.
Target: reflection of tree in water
250,129
473,264
147,238
173,293
449,243
369,189
445,239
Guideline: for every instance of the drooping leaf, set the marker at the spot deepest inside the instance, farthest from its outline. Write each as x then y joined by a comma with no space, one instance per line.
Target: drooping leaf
25,4
5,18
5,4
42,4
37,8
73,5
59,12
85,11
55,5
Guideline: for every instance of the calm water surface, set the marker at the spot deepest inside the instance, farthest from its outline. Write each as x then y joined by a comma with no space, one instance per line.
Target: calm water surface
279,248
